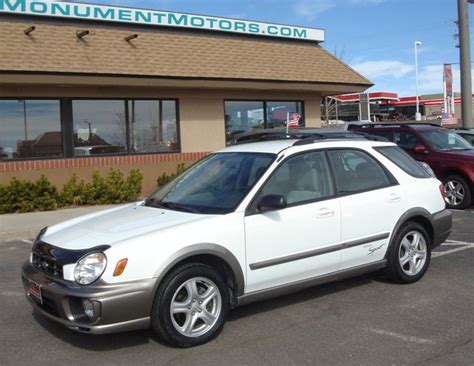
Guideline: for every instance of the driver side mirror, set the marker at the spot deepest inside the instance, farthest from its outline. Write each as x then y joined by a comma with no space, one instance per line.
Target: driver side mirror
272,202
420,149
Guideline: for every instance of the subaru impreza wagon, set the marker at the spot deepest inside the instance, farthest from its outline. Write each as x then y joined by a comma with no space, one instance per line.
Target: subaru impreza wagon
244,224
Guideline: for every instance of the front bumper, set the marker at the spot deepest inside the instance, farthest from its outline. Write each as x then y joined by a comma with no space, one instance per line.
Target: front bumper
118,307
442,225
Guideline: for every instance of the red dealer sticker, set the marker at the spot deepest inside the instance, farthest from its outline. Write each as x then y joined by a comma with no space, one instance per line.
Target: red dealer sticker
35,291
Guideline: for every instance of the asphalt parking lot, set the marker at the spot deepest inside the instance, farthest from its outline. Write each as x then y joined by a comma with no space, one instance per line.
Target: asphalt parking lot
364,320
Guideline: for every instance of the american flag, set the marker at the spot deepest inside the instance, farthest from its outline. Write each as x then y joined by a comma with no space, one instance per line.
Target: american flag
294,120
449,119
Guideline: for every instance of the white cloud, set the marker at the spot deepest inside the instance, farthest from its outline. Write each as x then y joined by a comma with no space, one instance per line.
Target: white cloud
310,9
383,68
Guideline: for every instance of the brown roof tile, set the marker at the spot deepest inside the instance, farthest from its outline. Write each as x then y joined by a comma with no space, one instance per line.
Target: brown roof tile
54,47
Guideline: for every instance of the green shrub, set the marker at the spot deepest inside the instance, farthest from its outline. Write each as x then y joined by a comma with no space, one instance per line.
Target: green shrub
164,178
27,196
74,192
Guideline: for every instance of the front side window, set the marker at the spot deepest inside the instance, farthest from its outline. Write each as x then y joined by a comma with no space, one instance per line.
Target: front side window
406,140
30,129
215,185
356,171
300,179
441,140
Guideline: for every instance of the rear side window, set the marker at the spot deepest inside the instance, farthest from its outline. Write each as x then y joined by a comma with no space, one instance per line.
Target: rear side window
356,171
404,161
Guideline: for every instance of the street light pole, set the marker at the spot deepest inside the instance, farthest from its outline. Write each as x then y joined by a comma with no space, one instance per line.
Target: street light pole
417,115
465,60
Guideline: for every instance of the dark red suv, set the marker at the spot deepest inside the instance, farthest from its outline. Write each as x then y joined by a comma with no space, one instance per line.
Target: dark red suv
449,155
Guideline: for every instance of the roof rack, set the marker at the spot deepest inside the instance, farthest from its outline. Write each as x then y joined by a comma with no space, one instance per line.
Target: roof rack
371,125
339,137
281,134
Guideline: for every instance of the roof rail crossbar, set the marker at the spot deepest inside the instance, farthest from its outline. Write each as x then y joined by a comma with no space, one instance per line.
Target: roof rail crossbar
270,137
341,136
372,125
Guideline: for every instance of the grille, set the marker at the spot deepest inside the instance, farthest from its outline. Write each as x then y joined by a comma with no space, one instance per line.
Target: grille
49,305
47,264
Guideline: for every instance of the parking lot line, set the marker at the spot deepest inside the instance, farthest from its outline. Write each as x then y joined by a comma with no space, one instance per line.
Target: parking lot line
27,241
457,242
464,247
403,337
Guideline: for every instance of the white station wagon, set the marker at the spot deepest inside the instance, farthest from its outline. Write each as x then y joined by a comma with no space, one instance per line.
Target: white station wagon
244,224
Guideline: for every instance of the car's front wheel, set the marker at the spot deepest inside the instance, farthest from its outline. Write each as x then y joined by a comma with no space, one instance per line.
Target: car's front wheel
190,306
410,254
458,193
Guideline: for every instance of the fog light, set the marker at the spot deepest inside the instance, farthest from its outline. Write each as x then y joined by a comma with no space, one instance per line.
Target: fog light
88,307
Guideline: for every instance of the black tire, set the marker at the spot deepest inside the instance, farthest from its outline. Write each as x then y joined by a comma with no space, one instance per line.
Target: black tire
466,201
161,318
394,270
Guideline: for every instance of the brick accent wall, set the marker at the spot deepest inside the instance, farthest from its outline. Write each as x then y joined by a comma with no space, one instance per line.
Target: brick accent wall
96,162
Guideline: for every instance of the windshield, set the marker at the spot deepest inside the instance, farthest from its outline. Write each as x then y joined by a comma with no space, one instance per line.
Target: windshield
215,185
445,141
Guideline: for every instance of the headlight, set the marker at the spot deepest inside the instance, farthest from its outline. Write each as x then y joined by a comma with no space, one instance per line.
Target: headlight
89,268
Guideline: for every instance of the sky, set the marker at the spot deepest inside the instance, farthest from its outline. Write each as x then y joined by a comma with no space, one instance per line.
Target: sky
375,37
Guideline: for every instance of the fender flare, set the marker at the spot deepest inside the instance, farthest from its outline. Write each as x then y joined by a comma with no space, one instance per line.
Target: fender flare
199,249
416,211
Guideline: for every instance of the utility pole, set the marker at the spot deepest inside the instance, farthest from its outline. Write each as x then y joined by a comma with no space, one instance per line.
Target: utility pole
417,114
465,60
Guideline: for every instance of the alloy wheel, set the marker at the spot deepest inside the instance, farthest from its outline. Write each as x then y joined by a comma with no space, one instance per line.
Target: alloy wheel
195,307
455,192
413,252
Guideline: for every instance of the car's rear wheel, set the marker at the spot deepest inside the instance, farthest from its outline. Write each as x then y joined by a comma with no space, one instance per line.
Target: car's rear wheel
190,306
410,254
458,193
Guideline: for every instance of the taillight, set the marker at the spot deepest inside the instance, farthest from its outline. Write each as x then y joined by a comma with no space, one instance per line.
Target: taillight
442,190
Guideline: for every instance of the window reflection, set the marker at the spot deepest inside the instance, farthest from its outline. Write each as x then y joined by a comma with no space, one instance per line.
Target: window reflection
278,113
99,127
105,126
152,130
244,116
30,129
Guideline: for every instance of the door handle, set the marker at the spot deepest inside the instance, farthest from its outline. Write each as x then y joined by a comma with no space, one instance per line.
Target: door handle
325,212
393,197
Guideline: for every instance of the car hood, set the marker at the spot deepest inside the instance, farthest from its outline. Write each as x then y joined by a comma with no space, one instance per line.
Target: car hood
113,226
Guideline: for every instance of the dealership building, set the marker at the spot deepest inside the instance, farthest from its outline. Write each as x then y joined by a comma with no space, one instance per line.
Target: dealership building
88,87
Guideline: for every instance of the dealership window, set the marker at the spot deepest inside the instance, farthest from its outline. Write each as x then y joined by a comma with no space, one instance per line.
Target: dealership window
279,112
244,116
99,127
120,126
30,129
